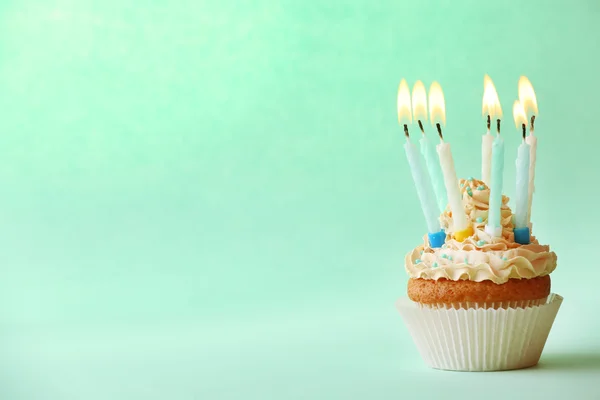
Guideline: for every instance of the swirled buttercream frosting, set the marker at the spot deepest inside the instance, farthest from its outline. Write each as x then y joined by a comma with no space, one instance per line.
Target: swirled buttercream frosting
480,257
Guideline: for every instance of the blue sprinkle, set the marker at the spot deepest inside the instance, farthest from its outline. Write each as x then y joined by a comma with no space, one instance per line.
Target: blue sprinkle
479,220
470,179
421,251
418,261
450,258
480,187
504,259
435,265
466,261
462,185
444,256
480,243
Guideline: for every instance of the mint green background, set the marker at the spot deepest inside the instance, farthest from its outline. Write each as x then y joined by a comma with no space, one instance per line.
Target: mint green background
209,200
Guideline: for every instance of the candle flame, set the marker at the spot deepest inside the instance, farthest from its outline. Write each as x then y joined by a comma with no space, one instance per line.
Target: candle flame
491,102
437,106
404,109
419,101
527,96
519,114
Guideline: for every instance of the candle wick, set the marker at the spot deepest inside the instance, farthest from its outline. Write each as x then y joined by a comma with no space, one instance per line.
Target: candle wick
498,126
439,129
532,123
489,122
406,131
524,131
421,126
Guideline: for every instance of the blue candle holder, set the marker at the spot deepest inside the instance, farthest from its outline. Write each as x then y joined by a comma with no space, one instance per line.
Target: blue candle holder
437,239
522,235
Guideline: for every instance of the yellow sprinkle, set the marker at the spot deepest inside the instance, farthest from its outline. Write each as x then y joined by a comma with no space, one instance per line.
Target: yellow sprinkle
465,233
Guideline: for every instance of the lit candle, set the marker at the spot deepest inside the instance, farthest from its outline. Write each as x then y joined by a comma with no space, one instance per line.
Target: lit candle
494,227
419,106
486,154
529,101
521,231
437,109
490,102
424,190
418,171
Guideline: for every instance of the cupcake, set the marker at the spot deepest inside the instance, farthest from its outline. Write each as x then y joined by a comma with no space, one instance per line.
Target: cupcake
483,303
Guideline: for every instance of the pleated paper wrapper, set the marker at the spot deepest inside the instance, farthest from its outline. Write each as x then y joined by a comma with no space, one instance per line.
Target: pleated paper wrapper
486,337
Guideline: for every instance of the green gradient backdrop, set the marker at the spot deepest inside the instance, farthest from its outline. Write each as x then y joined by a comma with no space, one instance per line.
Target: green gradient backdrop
209,200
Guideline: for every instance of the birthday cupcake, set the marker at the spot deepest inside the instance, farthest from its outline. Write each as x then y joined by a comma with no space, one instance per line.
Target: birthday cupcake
481,303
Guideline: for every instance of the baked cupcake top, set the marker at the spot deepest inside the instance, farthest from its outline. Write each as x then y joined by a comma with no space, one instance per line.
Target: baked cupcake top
480,257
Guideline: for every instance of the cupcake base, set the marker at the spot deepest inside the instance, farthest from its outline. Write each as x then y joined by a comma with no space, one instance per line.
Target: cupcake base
434,291
480,338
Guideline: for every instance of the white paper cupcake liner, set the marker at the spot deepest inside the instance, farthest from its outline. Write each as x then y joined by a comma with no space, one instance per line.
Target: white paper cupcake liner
478,338
503,304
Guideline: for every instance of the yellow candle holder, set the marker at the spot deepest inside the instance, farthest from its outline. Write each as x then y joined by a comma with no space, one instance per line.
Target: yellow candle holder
465,233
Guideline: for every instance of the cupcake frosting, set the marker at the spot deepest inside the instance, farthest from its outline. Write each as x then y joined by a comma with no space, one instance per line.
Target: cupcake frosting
480,257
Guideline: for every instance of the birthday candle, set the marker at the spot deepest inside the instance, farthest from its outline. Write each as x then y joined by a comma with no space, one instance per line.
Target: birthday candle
528,100
419,105
532,142
423,186
522,197
437,109
494,226
486,156
490,107
451,183
417,169
435,172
